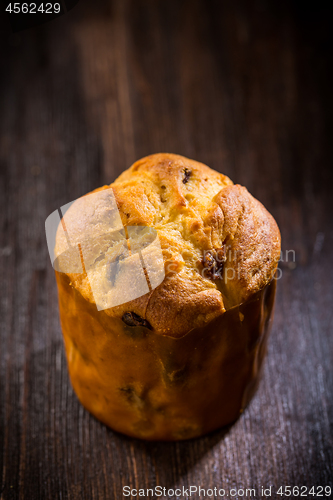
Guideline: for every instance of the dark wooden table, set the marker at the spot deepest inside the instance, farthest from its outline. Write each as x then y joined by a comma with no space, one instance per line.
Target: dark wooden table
243,86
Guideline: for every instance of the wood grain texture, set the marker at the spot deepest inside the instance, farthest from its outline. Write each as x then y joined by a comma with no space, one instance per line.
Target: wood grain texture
242,86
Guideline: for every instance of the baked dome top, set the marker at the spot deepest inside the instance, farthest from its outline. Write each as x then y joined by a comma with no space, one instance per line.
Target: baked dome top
219,244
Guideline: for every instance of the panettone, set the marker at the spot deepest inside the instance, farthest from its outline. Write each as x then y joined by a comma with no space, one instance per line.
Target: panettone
184,357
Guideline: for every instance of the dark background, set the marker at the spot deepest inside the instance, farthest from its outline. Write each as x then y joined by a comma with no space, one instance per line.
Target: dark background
244,86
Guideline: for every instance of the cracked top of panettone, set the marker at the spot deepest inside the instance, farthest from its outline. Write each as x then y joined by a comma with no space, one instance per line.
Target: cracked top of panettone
219,244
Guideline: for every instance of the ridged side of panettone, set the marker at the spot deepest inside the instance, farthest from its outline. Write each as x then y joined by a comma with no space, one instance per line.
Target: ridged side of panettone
158,387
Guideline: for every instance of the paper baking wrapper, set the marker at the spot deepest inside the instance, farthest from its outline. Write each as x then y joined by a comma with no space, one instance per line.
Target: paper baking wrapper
161,388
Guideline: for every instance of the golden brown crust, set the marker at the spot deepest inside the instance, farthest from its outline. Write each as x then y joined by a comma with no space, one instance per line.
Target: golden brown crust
195,210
